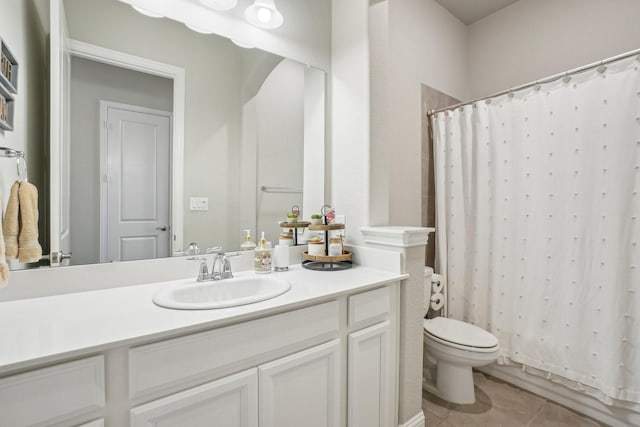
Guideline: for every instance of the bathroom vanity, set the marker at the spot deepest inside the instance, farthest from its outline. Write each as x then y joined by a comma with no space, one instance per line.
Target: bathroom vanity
323,354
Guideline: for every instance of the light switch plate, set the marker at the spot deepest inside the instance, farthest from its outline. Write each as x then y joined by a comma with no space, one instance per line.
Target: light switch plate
199,203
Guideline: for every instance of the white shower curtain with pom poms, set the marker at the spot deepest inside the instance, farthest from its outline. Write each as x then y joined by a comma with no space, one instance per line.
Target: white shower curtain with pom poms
538,219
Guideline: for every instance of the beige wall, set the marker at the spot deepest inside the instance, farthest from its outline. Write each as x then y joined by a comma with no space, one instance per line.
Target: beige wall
528,40
429,46
532,39
349,168
382,52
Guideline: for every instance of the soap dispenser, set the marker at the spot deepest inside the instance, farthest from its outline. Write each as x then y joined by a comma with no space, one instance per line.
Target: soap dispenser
248,244
262,259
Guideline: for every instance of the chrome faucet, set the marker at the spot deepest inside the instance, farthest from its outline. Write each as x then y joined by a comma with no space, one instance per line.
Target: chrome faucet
220,269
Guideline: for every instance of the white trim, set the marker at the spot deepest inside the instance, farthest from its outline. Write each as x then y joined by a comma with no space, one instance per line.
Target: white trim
57,44
400,237
104,232
417,420
177,74
104,153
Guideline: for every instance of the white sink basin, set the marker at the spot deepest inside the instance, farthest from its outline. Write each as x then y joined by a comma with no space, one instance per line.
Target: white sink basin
220,294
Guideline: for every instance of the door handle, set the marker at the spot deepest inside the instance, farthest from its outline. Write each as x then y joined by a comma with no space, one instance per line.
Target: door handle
55,258
163,228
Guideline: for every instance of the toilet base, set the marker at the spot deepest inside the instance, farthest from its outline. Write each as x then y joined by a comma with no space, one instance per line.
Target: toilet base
454,383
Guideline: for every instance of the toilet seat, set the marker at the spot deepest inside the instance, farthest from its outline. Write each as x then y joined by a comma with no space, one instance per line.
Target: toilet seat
460,335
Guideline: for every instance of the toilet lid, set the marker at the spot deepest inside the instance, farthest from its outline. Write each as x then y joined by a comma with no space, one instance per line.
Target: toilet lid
460,333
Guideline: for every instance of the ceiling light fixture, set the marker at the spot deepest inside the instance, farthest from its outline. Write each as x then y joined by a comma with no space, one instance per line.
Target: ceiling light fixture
146,12
264,14
241,44
199,29
220,4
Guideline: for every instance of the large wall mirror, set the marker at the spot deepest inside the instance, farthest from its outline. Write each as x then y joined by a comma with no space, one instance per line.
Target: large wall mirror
165,136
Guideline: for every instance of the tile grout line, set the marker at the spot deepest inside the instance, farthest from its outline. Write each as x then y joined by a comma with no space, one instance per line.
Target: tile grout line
538,411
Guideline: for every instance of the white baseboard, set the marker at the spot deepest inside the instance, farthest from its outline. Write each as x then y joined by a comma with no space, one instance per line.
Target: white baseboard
587,405
416,421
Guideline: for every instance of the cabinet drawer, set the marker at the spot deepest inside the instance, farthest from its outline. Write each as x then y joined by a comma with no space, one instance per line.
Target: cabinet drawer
51,395
369,305
176,361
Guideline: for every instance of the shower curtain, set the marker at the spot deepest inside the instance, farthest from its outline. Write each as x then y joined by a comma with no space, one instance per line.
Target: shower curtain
538,222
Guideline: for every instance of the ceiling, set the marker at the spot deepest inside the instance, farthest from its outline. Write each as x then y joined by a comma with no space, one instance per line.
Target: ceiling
470,11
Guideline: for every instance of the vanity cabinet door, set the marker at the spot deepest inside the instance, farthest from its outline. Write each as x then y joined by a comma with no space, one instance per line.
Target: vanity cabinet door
302,389
56,395
371,373
229,402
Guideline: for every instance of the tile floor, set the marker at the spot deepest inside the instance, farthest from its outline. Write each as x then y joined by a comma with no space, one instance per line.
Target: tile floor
499,404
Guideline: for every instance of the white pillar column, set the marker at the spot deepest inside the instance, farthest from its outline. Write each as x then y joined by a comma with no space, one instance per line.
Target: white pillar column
410,242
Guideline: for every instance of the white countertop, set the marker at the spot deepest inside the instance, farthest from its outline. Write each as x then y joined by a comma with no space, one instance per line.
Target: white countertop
42,330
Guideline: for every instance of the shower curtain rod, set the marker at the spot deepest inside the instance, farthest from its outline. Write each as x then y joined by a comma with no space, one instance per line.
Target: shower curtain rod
541,81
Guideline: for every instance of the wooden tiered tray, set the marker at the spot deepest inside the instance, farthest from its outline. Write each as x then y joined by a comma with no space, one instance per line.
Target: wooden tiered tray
325,262
297,224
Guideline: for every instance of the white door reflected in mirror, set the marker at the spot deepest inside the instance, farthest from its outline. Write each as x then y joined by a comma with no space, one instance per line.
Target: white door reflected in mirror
134,202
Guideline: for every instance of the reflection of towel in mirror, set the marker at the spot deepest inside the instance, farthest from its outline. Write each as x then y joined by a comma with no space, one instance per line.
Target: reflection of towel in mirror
10,226
4,268
29,249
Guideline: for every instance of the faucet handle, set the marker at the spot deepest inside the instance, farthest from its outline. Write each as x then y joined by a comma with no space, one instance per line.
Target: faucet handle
203,272
226,265
193,249
214,250
226,269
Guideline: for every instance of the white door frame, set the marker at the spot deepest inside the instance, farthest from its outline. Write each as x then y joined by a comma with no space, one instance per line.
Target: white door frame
104,139
177,75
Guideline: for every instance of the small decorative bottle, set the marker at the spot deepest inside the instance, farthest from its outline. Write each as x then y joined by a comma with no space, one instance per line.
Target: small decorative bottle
262,259
248,244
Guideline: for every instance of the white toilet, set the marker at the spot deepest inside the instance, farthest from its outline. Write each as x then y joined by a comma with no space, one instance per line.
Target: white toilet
455,347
